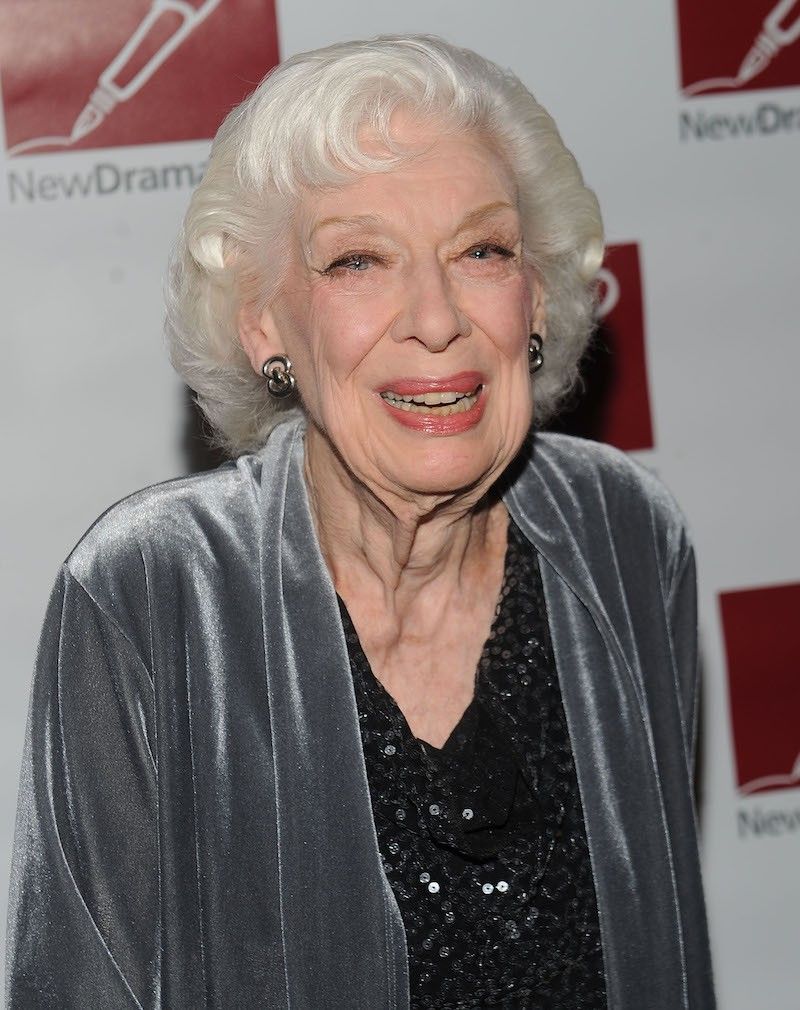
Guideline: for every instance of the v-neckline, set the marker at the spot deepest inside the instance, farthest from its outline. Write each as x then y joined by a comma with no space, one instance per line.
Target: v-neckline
431,751
388,699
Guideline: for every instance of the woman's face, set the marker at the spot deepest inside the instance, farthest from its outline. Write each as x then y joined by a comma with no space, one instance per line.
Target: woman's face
406,312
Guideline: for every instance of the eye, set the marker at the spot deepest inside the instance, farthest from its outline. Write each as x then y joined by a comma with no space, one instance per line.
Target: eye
353,262
488,250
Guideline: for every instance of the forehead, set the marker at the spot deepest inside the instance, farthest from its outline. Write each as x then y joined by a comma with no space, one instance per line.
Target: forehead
440,180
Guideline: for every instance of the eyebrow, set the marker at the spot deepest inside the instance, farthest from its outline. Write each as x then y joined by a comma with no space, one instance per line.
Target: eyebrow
470,220
478,216
356,221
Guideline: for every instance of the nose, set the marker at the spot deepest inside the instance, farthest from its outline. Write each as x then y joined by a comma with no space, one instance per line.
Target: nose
430,314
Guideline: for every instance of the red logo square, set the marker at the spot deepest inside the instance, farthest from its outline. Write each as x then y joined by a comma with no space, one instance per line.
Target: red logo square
91,74
762,643
748,45
615,404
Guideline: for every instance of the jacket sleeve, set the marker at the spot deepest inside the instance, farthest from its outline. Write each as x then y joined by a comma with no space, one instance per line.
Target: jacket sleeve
682,614
84,902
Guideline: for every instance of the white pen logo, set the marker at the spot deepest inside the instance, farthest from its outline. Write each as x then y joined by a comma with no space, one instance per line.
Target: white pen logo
780,30
163,29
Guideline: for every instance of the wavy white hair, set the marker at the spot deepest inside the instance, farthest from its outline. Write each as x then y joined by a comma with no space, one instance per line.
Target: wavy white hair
299,129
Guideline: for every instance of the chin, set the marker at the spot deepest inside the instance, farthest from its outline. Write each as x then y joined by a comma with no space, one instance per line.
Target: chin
442,470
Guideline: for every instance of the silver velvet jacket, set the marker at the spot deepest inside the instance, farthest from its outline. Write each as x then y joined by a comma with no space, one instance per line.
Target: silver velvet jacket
194,825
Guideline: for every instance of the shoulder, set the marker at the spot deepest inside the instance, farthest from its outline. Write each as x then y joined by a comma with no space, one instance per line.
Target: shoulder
602,473
168,529
172,545
596,492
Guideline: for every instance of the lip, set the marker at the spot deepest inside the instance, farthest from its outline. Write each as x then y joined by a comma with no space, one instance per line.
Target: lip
462,382
432,424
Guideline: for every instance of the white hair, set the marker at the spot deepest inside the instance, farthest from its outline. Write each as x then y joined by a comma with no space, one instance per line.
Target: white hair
300,129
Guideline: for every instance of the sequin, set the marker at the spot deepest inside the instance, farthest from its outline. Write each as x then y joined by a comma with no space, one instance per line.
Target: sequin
509,763
487,888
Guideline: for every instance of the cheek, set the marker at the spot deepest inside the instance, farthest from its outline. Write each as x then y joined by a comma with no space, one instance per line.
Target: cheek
504,314
343,330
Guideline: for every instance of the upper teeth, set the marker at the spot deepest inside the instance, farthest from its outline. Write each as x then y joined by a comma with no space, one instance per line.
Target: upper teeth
428,399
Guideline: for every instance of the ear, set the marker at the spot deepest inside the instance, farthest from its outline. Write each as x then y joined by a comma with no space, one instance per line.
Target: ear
258,335
538,305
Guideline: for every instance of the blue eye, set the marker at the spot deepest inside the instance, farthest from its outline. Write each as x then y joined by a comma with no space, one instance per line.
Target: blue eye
354,262
483,252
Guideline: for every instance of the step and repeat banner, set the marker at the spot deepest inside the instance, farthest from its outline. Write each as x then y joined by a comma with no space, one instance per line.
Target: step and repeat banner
685,117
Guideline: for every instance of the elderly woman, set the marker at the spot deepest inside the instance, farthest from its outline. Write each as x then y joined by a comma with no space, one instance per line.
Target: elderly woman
397,708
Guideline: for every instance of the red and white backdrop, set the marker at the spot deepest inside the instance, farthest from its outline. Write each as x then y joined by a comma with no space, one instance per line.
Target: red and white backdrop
686,120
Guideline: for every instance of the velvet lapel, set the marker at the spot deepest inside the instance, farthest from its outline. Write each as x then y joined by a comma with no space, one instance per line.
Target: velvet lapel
604,701
343,938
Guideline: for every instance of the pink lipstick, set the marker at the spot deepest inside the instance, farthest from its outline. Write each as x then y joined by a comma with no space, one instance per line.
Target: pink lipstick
445,405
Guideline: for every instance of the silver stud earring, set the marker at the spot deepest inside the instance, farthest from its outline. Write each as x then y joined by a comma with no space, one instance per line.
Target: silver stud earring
277,370
535,358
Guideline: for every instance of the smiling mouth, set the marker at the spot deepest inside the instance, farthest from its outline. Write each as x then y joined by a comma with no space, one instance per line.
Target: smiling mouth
441,404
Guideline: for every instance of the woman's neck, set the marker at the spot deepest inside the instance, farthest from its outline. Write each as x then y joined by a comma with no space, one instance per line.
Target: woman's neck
404,553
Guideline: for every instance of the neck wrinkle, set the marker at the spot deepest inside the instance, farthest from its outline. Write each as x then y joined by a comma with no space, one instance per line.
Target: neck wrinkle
399,552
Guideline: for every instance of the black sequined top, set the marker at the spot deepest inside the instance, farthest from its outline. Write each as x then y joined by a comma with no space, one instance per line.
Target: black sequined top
483,840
